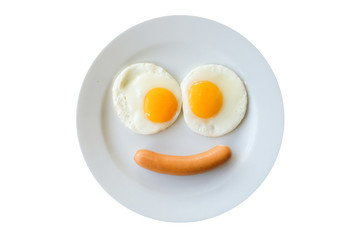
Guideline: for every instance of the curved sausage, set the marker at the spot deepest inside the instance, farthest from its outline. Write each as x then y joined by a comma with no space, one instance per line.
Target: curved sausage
183,165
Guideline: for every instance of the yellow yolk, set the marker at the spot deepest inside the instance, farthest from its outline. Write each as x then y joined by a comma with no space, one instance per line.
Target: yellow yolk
160,105
205,99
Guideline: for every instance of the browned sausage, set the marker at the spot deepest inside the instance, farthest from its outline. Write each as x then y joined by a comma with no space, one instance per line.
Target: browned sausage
183,165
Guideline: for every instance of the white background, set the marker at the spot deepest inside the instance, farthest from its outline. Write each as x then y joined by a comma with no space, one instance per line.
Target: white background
46,189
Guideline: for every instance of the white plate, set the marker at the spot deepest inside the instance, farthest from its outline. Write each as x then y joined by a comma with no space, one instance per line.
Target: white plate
179,44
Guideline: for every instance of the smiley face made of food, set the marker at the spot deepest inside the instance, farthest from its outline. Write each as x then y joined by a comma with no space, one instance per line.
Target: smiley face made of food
147,99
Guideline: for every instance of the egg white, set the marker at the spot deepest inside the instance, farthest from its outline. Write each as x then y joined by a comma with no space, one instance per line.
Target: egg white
128,92
234,100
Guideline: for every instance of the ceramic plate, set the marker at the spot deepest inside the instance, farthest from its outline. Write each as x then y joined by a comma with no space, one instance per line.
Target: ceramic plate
179,44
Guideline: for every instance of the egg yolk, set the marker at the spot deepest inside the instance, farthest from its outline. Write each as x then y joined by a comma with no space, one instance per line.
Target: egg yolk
205,99
160,105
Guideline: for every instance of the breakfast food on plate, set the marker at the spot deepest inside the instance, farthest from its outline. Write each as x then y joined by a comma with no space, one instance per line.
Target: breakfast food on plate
214,100
183,165
146,98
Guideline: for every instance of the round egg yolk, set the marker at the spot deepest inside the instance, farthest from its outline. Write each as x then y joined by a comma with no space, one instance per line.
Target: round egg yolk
205,99
160,105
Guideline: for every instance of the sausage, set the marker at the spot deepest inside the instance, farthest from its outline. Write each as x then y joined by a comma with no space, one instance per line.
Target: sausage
183,165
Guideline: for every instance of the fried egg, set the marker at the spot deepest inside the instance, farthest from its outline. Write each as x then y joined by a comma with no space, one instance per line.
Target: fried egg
214,100
146,98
